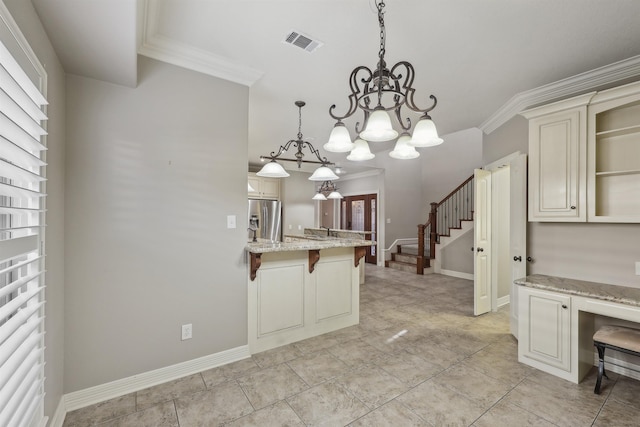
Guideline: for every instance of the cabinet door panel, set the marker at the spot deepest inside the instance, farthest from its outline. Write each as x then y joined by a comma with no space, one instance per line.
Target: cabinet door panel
557,180
548,337
280,299
271,188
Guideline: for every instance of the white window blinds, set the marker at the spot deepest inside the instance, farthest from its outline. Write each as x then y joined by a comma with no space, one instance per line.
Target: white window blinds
21,244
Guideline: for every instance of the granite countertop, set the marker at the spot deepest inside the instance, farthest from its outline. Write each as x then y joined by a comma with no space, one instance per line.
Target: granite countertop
612,293
305,242
336,232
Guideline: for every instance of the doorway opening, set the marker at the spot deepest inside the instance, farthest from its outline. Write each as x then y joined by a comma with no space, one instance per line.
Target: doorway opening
360,213
500,234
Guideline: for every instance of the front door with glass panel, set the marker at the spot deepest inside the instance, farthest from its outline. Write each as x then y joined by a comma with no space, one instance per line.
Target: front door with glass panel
359,213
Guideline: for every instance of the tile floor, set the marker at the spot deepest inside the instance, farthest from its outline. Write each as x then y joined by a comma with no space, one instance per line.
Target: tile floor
417,358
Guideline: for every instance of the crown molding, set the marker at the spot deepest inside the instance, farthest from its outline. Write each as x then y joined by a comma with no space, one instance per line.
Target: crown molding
164,49
587,81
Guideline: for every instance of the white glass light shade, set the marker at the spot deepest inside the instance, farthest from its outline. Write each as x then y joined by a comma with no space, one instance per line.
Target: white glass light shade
403,150
319,196
339,140
379,127
425,134
323,173
250,188
334,195
273,170
360,151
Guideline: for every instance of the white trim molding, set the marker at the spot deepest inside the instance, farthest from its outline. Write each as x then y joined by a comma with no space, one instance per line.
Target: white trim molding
458,274
164,49
580,83
100,393
61,412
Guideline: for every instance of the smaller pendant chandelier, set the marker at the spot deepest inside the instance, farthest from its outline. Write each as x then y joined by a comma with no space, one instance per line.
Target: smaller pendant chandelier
327,190
273,169
383,90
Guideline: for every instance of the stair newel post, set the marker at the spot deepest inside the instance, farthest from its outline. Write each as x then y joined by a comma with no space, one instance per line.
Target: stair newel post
433,238
420,258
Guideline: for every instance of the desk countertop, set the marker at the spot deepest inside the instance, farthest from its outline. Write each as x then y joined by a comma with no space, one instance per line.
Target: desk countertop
612,293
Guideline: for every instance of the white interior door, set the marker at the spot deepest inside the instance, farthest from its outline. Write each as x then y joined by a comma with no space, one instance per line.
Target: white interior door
482,242
518,232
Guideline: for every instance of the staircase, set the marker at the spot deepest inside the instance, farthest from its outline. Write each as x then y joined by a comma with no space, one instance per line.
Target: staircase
406,258
445,217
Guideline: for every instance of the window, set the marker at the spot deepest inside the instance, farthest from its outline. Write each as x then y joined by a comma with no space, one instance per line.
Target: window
22,211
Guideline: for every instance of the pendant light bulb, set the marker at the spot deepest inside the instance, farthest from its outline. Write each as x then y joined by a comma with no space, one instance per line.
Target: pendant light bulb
360,151
323,173
379,127
273,169
403,150
425,133
339,139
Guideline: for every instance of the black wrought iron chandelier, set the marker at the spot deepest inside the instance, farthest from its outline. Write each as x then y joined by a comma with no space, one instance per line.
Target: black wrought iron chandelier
274,170
378,92
328,190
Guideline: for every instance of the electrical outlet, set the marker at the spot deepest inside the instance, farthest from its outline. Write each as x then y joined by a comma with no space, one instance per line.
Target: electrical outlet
187,331
637,268
231,221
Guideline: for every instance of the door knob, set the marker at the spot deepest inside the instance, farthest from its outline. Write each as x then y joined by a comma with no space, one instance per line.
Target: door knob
480,250
517,258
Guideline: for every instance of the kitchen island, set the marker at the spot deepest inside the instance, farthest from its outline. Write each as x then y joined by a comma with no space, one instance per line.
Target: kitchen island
303,287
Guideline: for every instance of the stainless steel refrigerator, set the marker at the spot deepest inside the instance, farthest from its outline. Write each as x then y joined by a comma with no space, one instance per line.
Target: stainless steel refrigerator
265,216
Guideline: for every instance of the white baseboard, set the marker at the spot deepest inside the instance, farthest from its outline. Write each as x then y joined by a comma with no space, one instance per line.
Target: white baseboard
100,393
457,274
504,300
58,416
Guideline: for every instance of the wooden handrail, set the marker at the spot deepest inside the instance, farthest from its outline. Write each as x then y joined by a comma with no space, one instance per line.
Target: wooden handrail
432,223
456,190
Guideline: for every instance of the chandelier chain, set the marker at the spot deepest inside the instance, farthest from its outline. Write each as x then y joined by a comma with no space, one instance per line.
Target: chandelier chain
382,30
300,121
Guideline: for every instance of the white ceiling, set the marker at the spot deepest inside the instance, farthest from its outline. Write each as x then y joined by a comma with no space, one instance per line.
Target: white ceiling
474,55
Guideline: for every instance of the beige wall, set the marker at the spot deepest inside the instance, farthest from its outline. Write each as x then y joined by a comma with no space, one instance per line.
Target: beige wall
152,174
447,165
298,208
26,18
597,252
457,256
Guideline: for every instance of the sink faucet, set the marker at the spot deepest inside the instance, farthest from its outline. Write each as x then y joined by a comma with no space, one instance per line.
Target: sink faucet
254,233
328,230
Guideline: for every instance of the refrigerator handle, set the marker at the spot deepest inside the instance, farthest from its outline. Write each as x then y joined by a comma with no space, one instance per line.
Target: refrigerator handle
265,218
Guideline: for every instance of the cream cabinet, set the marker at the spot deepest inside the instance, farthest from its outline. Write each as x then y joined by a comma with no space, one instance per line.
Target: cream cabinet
295,296
544,332
558,161
265,188
584,158
613,170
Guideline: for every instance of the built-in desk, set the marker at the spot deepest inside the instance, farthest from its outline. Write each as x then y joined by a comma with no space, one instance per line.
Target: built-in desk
556,322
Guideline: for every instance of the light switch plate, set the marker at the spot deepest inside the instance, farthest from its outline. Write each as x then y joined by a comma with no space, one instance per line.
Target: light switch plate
231,221
637,268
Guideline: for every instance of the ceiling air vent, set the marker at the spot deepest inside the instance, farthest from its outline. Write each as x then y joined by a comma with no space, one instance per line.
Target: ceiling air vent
301,40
